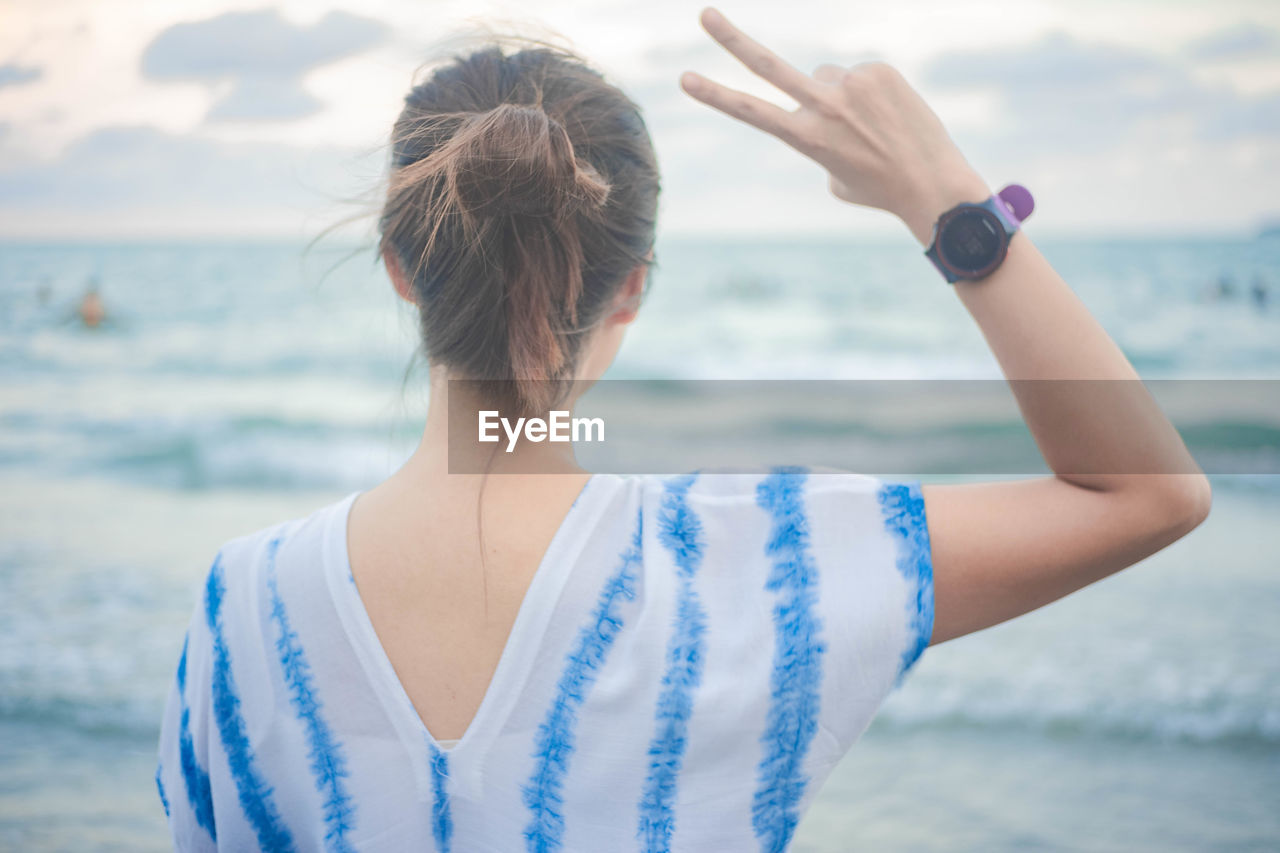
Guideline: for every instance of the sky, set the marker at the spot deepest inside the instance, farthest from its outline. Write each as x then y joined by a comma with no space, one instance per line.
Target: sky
142,119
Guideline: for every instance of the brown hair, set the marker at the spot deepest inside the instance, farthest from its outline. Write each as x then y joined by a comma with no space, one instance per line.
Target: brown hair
524,188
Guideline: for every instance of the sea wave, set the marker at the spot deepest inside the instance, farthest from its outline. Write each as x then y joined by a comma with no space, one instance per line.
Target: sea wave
210,452
1214,719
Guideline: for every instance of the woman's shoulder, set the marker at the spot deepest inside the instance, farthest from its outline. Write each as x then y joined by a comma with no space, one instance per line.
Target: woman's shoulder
258,554
835,513
761,486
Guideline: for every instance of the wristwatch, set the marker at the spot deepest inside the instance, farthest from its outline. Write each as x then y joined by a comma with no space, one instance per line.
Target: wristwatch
971,240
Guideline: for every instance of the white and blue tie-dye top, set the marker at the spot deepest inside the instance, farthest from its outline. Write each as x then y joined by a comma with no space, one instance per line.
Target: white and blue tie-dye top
693,656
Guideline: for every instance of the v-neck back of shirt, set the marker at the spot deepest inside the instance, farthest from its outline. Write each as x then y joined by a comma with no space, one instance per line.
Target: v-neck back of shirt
520,649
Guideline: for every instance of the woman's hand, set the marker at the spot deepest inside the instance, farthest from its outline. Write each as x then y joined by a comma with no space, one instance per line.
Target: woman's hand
873,133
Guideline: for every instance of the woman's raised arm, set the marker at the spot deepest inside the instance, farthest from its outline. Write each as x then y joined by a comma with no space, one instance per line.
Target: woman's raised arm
1124,484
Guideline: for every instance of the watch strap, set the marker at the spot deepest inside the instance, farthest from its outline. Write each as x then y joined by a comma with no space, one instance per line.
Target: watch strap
1017,201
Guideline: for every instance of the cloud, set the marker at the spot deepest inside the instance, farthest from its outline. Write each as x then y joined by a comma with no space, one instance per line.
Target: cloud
1060,93
1241,42
1069,115
264,99
1244,117
665,61
263,56
1056,62
118,173
12,74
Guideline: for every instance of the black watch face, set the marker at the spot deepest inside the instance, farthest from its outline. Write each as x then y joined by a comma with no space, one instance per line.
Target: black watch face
971,241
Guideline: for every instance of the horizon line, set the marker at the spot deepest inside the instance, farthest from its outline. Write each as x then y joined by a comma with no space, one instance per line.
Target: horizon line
1233,234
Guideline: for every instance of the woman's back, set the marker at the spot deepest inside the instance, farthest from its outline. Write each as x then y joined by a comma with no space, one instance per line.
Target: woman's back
691,658
441,608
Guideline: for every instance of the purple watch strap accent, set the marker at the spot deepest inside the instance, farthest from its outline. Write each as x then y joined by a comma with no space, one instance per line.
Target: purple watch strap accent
1018,201
1009,207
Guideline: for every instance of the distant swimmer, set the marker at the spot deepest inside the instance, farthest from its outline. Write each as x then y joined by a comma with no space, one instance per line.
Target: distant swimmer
44,291
1225,289
1260,292
92,310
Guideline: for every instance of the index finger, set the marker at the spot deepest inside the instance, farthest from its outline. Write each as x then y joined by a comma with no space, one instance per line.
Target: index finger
756,112
759,58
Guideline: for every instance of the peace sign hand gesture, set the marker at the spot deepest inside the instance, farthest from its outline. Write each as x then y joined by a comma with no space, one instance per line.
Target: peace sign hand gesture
879,141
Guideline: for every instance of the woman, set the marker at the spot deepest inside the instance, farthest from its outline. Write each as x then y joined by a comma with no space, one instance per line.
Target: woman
608,663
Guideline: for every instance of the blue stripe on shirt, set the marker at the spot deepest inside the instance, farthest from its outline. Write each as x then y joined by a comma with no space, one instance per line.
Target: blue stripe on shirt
194,777
902,507
328,764
164,801
792,719
680,532
555,739
441,814
255,795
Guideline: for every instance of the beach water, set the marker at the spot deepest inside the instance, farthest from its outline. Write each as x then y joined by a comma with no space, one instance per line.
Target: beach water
234,386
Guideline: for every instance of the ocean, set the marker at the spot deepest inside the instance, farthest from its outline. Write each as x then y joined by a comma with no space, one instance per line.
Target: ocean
234,386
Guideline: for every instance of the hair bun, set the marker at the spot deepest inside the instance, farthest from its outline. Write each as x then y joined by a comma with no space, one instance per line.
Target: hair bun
513,245
516,159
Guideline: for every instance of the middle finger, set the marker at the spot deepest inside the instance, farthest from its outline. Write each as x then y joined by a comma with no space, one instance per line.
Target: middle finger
759,58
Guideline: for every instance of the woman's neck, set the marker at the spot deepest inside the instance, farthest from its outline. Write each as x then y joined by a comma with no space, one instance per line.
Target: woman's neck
455,410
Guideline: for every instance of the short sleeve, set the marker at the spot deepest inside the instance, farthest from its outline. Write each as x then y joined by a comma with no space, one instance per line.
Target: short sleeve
870,544
186,730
